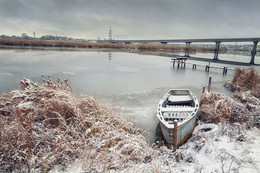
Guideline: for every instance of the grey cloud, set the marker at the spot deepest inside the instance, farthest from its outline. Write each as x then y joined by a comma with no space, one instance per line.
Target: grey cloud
135,19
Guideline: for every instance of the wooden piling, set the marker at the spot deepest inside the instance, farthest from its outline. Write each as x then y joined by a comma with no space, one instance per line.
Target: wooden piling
207,68
175,134
226,71
203,90
209,86
173,62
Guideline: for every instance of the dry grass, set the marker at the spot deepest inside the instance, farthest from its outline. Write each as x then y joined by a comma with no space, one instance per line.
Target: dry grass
68,44
145,46
45,125
216,108
243,107
245,80
71,44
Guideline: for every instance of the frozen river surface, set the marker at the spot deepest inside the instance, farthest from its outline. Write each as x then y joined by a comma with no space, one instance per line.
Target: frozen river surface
133,82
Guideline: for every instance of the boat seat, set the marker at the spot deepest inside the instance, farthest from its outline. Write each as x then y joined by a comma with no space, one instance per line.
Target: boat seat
172,119
178,106
177,109
178,115
180,98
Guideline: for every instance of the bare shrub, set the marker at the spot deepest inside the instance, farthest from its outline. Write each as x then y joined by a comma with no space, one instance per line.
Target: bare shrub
245,80
45,125
243,107
217,107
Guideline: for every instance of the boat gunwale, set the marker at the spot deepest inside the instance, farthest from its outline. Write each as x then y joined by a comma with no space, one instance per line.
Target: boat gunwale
191,115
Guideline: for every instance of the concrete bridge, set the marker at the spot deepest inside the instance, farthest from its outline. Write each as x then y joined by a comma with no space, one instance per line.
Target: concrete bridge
188,42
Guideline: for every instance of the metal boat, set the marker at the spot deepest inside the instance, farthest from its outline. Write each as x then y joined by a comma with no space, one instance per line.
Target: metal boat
177,112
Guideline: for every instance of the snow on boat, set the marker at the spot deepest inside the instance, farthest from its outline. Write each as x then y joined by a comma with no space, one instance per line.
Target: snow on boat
179,106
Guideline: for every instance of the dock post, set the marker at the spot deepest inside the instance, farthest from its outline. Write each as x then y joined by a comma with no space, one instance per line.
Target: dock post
253,53
175,134
207,68
209,87
216,50
224,71
203,90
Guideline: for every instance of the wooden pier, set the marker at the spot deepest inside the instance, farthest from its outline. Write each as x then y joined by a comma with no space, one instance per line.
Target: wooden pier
181,63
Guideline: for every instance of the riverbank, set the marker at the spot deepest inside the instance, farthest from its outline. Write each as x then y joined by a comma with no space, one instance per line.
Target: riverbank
46,128
43,44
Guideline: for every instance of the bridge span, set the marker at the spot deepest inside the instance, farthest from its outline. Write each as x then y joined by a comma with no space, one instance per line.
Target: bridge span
188,42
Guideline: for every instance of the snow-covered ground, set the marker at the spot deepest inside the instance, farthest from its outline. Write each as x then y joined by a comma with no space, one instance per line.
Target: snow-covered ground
224,148
212,148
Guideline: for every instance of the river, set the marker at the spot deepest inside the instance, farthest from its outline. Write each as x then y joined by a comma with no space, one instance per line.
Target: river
132,82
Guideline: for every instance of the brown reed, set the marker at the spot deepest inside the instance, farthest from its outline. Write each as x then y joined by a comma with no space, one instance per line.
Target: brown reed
243,107
73,44
45,125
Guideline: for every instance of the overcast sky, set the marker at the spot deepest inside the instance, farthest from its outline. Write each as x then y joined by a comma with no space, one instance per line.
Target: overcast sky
131,19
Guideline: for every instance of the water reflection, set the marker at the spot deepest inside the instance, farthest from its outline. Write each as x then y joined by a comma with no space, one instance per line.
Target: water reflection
159,138
109,56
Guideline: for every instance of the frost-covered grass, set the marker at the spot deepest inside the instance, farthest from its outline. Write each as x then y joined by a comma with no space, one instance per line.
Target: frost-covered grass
217,108
46,128
245,80
243,107
45,125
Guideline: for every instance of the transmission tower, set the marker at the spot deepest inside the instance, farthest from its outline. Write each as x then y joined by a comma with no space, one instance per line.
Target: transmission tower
110,34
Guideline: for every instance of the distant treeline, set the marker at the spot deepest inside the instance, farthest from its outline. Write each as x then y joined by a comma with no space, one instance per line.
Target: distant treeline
76,44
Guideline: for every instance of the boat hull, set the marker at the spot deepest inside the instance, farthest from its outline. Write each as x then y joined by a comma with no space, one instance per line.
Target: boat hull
179,106
183,133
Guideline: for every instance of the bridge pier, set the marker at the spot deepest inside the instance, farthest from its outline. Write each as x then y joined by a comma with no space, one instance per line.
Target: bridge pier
187,44
187,51
216,50
253,52
164,42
